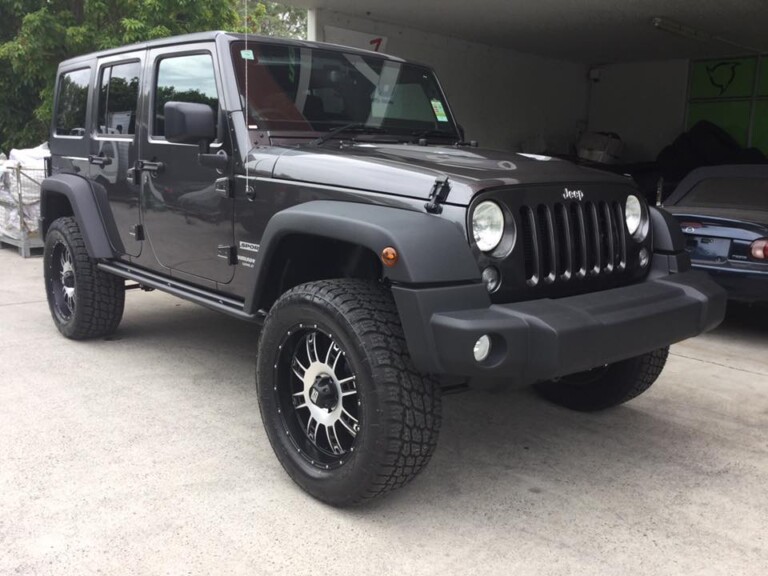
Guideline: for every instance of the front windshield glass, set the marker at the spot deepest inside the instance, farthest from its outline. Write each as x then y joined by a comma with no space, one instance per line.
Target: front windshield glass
306,89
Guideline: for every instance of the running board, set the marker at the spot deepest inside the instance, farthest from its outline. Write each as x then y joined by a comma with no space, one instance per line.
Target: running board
183,290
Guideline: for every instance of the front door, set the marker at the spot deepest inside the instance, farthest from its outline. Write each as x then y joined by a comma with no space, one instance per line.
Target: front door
187,222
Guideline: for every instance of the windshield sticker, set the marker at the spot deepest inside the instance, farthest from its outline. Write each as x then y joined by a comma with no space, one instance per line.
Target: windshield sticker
440,114
246,54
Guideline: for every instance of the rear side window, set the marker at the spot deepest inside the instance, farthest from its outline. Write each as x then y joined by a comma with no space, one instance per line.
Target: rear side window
184,79
728,193
72,102
118,97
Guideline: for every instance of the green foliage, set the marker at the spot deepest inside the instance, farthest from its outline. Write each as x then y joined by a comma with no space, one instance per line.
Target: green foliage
38,34
274,19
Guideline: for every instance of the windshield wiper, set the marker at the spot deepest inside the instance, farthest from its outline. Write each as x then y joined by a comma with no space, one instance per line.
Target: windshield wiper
435,134
352,127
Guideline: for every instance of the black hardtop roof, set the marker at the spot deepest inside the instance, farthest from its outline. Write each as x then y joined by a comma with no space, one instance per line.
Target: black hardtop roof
213,35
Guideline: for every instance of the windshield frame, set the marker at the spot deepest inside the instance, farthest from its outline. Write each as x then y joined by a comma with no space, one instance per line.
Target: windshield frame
307,128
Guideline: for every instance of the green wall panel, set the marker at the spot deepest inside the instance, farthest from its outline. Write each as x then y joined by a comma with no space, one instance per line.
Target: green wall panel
760,128
728,78
763,87
733,117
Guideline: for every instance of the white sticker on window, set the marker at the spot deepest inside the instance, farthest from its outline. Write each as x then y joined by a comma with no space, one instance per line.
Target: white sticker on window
440,114
246,54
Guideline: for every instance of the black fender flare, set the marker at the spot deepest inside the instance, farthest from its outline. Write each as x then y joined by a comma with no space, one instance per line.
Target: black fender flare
432,250
88,206
668,238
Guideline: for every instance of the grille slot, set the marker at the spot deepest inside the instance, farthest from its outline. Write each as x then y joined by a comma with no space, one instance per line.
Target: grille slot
572,240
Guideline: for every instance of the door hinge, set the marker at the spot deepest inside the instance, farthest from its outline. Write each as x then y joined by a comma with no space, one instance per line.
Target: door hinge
137,232
223,187
438,195
228,252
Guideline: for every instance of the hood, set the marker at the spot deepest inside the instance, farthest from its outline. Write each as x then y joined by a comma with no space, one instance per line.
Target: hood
410,170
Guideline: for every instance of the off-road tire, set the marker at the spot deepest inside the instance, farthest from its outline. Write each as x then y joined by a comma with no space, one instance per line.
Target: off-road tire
100,297
608,386
399,408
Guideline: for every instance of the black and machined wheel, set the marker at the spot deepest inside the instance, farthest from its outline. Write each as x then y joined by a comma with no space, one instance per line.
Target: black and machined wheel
606,386
346,412
85,302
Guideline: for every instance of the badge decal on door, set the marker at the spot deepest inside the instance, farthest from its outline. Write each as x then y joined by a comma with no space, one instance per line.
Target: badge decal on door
249,246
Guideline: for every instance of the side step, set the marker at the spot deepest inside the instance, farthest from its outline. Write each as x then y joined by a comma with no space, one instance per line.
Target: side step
183,290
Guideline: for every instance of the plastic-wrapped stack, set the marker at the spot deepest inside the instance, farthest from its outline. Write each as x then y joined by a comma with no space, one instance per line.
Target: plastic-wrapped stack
20,178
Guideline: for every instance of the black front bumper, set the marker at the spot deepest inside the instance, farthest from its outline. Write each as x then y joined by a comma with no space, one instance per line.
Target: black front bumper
543,339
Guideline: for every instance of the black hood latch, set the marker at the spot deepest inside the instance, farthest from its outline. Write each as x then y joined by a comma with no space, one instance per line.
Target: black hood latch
439,193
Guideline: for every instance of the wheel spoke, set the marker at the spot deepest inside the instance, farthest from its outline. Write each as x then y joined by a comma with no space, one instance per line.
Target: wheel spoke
333,440
348,416
350,428
336,358
311,341
312,426
333,355
299,400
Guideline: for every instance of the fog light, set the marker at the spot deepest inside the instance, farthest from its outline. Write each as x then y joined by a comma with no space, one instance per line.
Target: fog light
491,279
482,348
644,257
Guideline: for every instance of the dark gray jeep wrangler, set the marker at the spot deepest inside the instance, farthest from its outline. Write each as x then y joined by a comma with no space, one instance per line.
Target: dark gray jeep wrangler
328,194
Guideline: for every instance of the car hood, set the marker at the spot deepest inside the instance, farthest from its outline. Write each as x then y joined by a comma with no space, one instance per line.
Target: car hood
410,170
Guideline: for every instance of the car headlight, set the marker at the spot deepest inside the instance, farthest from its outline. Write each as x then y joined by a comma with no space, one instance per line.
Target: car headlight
487,225
633,212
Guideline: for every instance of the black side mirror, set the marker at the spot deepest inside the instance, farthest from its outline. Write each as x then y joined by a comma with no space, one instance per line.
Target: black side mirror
189,123
193,123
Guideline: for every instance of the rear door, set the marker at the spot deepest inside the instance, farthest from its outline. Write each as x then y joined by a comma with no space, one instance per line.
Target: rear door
188,223
114,145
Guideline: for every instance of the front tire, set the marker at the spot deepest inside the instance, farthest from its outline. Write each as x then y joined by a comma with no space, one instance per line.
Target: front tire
85,302
346,412
607,386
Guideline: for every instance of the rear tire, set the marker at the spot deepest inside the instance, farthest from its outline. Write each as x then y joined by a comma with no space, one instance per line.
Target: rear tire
346,412
85,302
607,386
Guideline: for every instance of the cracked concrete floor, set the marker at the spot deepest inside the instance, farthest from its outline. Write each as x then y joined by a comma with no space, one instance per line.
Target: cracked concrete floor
144,454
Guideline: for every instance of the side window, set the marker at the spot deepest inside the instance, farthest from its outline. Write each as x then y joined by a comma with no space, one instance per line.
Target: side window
118,97
72,103
183,79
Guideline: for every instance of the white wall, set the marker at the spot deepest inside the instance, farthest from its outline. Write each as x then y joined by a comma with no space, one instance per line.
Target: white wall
501,97
643,102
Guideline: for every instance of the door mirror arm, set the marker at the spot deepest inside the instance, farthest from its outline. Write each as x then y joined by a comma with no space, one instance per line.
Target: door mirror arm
220,160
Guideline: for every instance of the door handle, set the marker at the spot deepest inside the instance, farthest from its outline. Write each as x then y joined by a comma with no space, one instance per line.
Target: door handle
147,166
99,160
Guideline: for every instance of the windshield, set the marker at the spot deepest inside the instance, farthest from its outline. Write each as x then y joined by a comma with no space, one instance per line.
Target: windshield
728,193
306,89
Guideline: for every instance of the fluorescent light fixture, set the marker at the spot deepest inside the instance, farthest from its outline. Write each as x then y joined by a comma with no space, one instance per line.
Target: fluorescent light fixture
678,29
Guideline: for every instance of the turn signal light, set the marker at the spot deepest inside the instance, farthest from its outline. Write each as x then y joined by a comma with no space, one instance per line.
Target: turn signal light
760,249
389,256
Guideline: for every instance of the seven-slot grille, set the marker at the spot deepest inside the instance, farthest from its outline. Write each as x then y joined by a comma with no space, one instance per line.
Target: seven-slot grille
570,240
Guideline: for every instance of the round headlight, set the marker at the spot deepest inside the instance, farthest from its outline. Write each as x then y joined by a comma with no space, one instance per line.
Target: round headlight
633,212
487,225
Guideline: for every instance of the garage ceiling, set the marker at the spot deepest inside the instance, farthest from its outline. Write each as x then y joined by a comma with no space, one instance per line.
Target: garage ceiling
590,31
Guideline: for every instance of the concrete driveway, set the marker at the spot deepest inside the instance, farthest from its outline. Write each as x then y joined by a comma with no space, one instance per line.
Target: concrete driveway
144,454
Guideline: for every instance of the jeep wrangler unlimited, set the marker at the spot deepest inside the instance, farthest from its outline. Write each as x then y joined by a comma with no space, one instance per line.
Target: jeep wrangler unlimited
327,193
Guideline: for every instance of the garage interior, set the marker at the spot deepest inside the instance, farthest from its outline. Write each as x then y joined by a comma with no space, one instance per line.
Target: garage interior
537,76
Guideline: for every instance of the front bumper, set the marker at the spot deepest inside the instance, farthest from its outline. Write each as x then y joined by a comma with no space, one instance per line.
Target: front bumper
543,339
